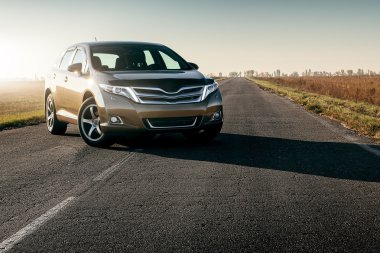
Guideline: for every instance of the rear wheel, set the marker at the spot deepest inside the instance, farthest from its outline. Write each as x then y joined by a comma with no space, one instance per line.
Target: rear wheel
89,125
53,124
204,135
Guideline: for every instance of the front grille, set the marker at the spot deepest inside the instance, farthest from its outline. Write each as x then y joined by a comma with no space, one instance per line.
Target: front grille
151,95
181,122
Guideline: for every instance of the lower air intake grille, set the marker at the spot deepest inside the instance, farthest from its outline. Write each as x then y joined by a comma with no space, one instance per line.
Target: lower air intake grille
161,123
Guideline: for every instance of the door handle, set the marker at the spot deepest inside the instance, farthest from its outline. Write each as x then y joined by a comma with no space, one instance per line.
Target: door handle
65,79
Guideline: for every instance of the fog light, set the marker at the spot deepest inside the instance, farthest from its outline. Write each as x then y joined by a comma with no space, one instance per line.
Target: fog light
217,115
116,120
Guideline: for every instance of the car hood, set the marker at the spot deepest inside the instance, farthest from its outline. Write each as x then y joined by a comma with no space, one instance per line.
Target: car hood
170,81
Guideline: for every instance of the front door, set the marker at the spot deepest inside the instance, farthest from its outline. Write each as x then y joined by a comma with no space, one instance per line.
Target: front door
76,83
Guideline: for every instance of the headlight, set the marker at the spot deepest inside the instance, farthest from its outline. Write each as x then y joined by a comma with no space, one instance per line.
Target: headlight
122,91
209,89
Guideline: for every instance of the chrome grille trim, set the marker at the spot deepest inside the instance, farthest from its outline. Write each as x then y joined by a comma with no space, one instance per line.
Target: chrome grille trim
147,95
170,97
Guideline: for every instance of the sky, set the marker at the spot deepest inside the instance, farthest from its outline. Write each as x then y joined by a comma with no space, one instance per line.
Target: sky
218,35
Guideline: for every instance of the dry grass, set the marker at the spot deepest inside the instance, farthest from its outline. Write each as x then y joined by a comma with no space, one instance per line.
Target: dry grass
359,116
21,103
218,79
355,88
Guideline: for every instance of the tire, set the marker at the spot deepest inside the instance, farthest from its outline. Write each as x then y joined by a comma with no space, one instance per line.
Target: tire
54,126
204,135
89,125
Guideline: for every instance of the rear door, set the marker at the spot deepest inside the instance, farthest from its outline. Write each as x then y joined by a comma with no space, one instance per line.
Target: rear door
61,78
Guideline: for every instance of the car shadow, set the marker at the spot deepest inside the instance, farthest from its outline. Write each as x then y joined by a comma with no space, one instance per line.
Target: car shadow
327,159
72,134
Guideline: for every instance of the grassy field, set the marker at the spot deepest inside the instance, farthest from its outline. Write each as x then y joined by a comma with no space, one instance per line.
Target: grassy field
21,103
362,117
355,88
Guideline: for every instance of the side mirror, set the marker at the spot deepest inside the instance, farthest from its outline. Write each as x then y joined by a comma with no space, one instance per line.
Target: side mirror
76,67
194,65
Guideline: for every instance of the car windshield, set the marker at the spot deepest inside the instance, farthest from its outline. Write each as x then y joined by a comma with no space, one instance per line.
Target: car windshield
124,57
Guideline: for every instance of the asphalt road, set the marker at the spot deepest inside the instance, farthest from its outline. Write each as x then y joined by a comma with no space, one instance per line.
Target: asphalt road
276,179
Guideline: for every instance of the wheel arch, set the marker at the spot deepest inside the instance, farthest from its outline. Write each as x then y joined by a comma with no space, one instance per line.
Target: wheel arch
47,93
87,94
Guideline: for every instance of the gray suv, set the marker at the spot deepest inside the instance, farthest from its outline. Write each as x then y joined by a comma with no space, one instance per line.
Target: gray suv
112,89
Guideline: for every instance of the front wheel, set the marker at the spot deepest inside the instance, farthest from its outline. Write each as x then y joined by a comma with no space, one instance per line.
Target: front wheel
89,125
53,124
204,135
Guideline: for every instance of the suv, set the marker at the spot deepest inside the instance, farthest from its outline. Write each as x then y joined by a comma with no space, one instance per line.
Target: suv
111,89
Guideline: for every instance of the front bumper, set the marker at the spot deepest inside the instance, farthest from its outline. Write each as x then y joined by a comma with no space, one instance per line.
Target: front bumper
134,117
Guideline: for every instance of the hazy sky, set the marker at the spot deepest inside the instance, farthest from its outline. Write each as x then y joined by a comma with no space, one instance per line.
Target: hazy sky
220,36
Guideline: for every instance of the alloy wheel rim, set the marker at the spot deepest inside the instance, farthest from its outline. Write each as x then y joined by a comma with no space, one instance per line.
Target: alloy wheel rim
50,113
90,123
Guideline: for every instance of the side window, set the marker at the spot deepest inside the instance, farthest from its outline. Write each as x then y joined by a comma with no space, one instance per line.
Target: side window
80,57
65,62
169,62
148,58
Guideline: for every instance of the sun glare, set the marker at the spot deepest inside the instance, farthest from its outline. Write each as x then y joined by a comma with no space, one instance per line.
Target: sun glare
11,59
8,61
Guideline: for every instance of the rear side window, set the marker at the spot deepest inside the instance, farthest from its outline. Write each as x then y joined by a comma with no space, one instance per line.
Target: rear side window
65,62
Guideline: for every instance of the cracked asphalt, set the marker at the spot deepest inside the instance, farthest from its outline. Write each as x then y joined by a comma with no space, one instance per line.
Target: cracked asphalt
276,179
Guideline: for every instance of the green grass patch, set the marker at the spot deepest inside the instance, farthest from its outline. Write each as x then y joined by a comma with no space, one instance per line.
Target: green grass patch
21,104
359,116
21,119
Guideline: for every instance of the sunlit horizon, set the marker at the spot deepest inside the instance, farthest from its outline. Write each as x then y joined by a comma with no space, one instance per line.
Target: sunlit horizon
220,36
